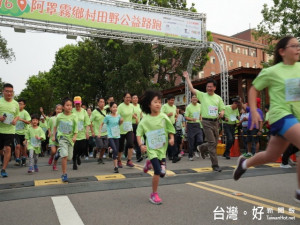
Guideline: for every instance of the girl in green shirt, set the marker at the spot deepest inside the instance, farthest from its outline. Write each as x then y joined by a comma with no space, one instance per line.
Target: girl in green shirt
282,81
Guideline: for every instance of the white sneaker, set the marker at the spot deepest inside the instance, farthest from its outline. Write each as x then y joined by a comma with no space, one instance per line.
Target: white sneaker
197,154
285,166
291,162
91,155
86,158
191,158
104,156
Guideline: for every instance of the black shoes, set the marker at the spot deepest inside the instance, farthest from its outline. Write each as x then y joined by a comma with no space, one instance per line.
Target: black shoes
217,169
239,171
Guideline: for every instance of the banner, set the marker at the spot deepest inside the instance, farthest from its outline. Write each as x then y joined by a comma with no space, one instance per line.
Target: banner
101,16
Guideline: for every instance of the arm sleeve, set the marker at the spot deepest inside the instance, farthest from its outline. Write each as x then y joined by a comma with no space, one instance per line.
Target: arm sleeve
199,95
262,80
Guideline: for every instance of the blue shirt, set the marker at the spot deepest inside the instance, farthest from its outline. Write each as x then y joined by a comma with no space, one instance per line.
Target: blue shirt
113,126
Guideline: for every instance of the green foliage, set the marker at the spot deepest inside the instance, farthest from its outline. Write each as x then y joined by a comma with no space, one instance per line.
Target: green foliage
6,54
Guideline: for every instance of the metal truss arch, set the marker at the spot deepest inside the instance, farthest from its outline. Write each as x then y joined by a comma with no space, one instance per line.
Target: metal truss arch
223,68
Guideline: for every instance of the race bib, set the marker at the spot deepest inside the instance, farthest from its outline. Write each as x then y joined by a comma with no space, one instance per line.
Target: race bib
65,127
292,89
80,125
35,142
104,128
127,126
232,118
115,131
156,139
9,118
196,115
20,125
212,110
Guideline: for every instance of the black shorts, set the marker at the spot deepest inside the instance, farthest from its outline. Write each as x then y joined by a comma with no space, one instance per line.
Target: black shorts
19,139
6,140
129,141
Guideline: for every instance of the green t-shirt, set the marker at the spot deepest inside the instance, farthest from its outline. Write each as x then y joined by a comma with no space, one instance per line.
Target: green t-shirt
193,111
283,83
83,122
67,126
211,105
126,112
44,125
97,119
166,108
11,110
32,141
137,110
156,129
231,114
21,127
267,116
51,124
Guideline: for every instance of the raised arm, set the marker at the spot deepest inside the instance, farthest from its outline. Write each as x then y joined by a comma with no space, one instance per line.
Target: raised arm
187,77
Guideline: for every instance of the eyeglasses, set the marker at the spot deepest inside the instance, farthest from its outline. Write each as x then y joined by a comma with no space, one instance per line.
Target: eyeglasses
293,46
11,92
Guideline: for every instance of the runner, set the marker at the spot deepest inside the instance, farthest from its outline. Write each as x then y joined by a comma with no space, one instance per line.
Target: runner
44,125
34,135
21,127
212,108
126,111
84,123
157,127
282,81
66,126
53,144
97,118
109,100
112,122
91,141
138,113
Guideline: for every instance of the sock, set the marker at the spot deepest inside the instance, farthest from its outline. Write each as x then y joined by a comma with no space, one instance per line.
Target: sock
298,191
244,165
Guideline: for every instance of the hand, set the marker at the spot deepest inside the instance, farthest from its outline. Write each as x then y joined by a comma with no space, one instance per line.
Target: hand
74,139
41,109
143,148
134,115
226,119
37,137
53,138
2,118
170,114
259,133
221,115
255,119
14,122
171,141
185,75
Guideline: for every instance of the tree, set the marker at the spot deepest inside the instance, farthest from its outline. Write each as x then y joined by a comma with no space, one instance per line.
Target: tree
6,54
279,20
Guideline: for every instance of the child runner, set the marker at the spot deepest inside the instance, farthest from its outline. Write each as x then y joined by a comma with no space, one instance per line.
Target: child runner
53,144
66,127
112,121
282,81
156,126
33,136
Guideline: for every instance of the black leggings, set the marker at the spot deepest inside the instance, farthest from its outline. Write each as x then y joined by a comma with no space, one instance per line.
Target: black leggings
114,144
156,164
80,147
129,140
288,152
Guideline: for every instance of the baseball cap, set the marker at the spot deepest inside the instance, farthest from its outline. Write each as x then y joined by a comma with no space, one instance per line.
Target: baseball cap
77,99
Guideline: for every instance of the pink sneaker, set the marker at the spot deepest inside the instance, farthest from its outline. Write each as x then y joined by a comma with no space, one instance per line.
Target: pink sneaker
55,168
182,153
147,166
155,199
50,160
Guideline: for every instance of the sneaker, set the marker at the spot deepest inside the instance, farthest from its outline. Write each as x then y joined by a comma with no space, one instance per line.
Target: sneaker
176,159
87,158
297,197
30,170
50,160
155,199
217,169
54,168
140,159
182,153
23,161
147,166
163,171
129,163
78,161
3,173
291,162
120,164
287,166
247,155
110,150
202,150
64,178
18,162
239,171
104,156
36,169
116,170
197,155
226,156
75,166
191,158
91,155
100,161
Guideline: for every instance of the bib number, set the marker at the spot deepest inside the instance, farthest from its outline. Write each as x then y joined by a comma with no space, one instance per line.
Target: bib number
213,110
156,139
115,131
35,142
292,89
66,127
127,126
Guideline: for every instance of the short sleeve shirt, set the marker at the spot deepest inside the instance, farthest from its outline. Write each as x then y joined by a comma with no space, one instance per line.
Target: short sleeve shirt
66,126
33,142
97,119
113,126
231,114
21,127
137,110
126,112
211,105
83,122
166,108
11,110
193,111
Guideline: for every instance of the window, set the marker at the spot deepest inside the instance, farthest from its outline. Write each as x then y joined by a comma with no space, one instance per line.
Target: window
222,46
238,50
239,64
212,60
247,65
228,48
230,62
246,51
201,74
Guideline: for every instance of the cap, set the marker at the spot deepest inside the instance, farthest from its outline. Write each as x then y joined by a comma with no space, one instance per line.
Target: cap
77,99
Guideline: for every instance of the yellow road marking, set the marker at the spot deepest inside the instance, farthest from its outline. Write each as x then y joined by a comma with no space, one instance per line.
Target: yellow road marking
110,177
242,199
250,196
204,169
168,172
273,164
47,182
